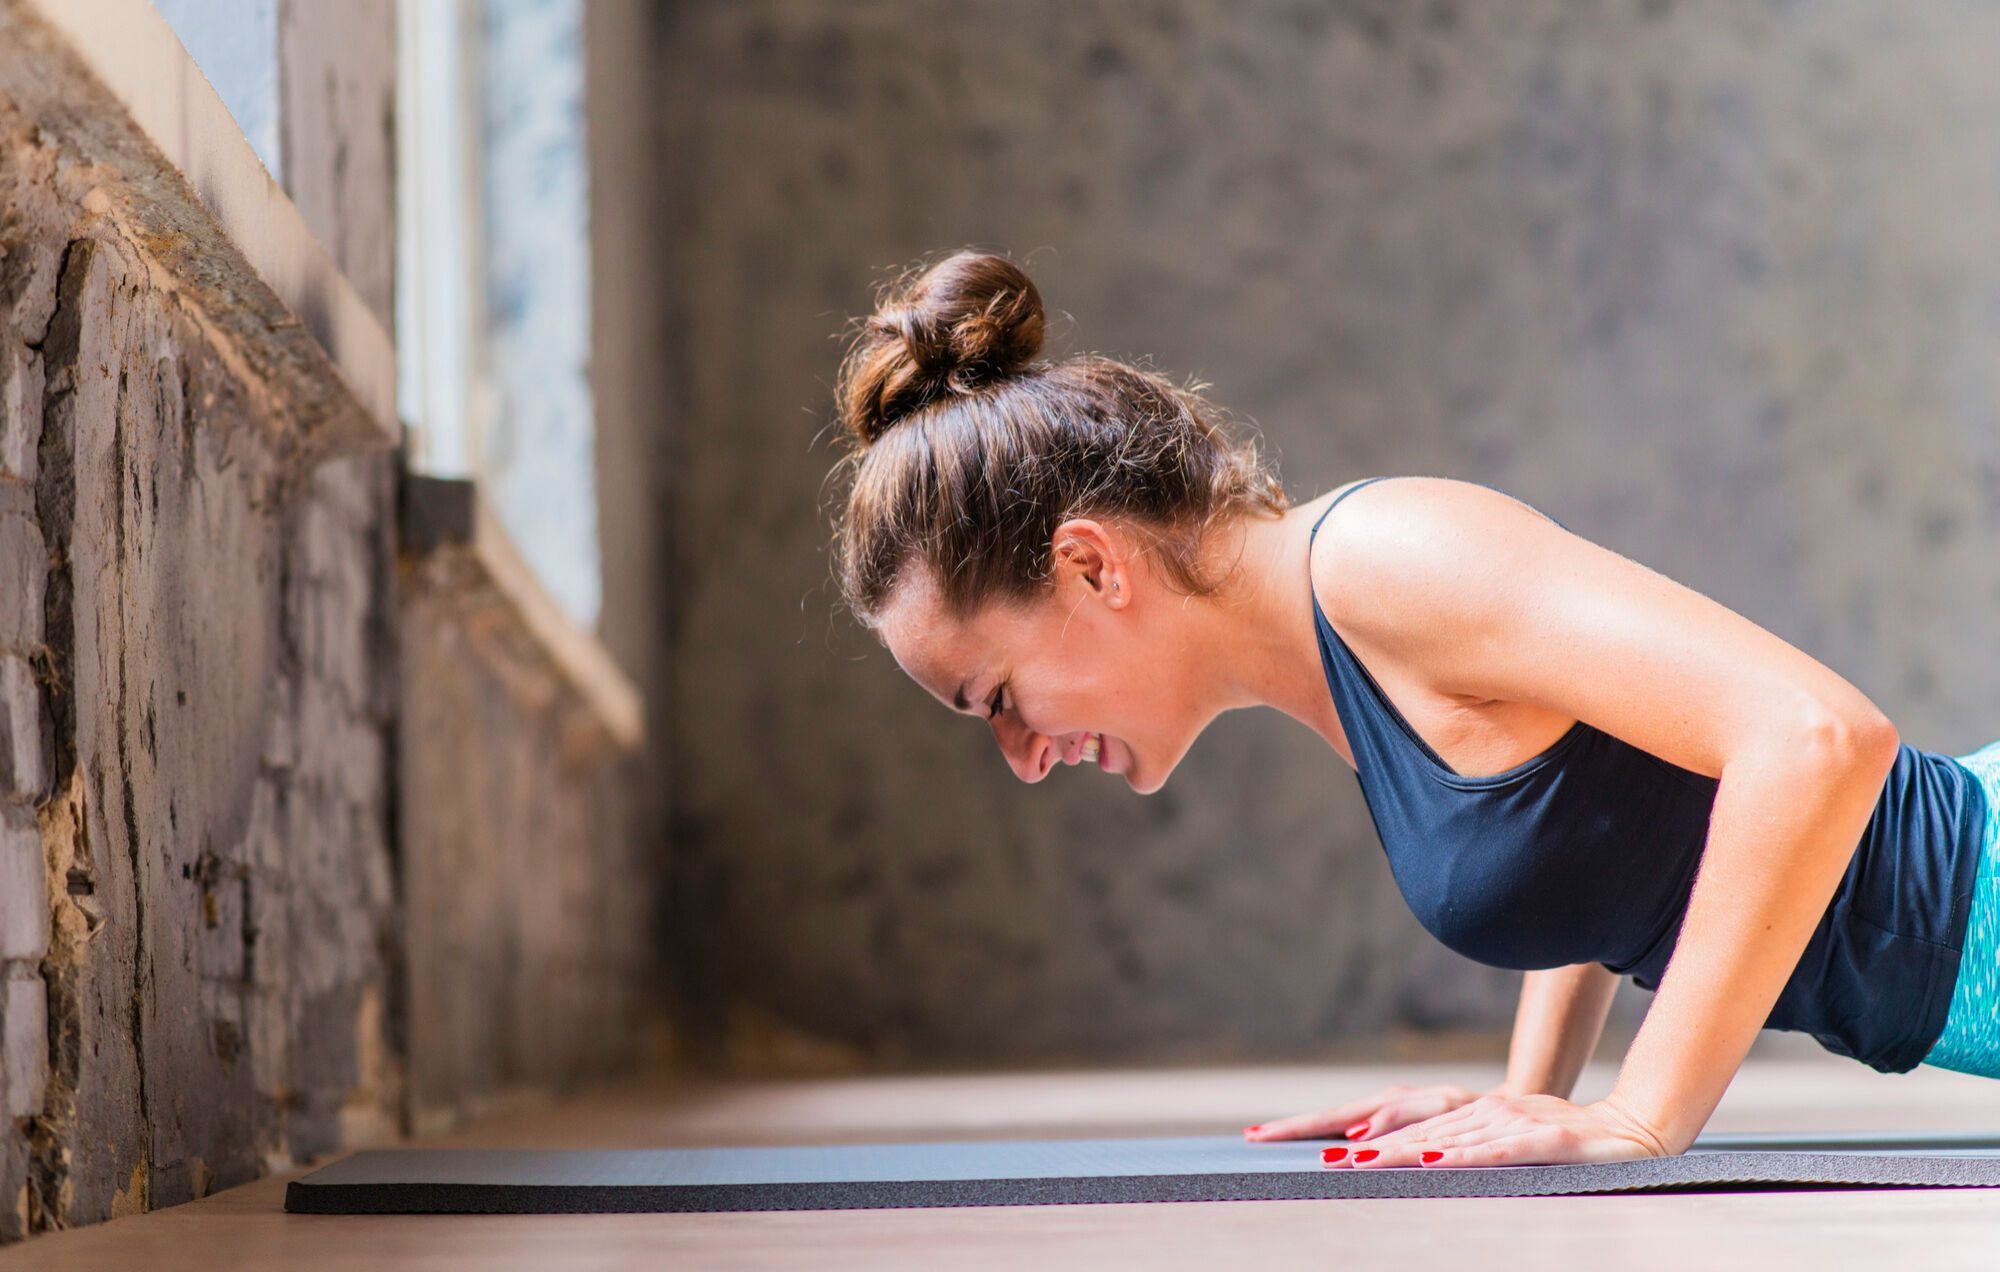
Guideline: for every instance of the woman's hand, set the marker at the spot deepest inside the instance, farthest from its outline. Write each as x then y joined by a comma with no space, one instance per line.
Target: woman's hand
1513,1130
1372,1115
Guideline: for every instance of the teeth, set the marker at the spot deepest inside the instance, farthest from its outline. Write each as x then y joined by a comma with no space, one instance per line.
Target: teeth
1091,746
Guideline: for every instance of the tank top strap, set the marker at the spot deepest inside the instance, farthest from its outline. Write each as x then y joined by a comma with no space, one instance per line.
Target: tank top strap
1314,534
1372,721
1336,502
1377,729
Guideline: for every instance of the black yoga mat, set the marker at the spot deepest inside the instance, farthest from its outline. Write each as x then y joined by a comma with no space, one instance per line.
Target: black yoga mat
1040,1172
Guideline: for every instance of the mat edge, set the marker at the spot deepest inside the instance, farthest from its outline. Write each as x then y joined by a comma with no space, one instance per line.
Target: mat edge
1526,1181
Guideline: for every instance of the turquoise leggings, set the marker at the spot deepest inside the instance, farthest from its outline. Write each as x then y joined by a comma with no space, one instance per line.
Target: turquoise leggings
1971,1039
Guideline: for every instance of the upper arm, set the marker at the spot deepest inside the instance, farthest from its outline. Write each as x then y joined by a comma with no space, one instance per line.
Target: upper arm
1483,596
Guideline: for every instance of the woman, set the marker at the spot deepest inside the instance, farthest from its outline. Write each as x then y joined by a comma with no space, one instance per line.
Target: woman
1550,737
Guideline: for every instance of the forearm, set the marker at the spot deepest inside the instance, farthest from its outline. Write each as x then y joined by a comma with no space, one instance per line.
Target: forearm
1556,1028
1786,820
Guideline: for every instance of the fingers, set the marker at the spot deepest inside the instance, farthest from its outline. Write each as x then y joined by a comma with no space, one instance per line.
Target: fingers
1456,1138
1324,1124
1476,1122
1417,1108
1366,1119
1504,1149
1440,1124
1482,1119
1503,1130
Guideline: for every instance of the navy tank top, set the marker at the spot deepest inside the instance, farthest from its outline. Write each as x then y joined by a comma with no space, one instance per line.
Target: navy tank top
1587,853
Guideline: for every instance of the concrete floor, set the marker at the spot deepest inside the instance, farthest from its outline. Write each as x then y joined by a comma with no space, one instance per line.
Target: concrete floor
1931,1229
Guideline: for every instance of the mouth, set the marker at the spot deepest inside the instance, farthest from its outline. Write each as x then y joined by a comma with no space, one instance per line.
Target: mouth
1096,747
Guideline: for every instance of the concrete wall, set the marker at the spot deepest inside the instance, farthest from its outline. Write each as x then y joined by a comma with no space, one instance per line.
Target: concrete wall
337,74
1714,284
630,355
527,910
630,370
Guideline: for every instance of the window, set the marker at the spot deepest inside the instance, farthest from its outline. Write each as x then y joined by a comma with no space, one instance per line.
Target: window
493,273
236,47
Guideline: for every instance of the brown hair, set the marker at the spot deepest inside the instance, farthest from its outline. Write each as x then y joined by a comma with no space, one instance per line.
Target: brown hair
967,452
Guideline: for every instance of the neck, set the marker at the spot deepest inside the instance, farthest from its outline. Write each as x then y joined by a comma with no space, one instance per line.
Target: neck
1256,638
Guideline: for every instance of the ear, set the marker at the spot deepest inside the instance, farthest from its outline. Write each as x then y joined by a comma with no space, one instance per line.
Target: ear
1087,555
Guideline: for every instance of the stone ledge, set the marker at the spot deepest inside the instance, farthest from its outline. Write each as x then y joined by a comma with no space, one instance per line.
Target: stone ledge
444,516
153,149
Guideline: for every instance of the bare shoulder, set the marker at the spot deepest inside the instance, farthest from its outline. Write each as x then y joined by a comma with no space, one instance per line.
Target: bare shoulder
1378,539
1472,595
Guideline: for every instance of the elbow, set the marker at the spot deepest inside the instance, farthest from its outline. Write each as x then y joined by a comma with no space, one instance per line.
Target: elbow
1863,737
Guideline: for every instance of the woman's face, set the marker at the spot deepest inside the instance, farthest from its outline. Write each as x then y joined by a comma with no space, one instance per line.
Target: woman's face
1104,651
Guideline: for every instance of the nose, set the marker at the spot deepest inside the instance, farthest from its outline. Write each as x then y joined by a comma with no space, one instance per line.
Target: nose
1030,754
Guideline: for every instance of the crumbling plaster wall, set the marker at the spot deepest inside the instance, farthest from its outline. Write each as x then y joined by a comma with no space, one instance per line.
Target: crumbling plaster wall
1714,284
269,786
197,771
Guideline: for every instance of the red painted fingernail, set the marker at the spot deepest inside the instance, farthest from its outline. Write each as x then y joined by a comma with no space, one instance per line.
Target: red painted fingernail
1432,1157
1258,1127
1367,1155
1332,1154
1357,1130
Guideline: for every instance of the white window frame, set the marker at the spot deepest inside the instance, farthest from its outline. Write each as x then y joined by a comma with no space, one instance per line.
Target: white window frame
440,287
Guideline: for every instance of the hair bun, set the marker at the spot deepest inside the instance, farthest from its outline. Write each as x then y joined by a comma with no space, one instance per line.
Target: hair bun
970,320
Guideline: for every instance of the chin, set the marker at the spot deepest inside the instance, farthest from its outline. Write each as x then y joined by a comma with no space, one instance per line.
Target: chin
1144,782
1145,779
